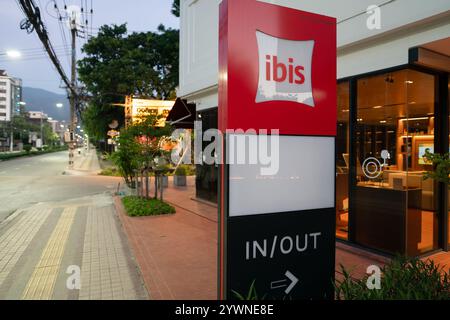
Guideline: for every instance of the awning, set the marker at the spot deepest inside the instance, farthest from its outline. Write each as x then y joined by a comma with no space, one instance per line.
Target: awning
182,115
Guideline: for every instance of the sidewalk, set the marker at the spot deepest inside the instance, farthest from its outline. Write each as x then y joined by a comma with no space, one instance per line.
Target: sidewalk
177,254
85,163
47,247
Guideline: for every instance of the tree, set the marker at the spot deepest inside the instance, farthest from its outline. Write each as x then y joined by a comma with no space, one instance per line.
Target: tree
116,64
140,145
50,138
176,8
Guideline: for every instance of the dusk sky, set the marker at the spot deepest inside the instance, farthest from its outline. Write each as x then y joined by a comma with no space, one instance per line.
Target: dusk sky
34,68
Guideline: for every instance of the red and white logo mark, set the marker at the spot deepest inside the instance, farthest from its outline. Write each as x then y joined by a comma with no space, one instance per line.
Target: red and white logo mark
284,70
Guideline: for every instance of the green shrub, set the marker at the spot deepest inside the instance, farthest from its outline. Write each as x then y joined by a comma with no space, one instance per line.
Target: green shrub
251,295
180,171
10,156
190,170
402,279
441,165
139,207
110,172
27,148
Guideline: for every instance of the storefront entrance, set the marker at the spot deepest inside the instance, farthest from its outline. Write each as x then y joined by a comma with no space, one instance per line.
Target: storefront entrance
206,181
386,122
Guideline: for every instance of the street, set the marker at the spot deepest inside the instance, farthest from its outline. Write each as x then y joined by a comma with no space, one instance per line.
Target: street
59,233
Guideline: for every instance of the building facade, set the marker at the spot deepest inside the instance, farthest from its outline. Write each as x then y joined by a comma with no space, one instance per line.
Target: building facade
10,96
58,128
393,68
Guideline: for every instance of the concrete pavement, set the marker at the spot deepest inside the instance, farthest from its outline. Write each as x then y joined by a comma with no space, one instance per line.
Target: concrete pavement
31,180
60,237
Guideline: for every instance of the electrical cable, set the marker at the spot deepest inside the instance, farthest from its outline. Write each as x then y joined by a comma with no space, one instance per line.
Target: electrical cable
32,13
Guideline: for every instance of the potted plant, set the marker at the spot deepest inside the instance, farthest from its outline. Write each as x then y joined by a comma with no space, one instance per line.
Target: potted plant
162,168
179,178
441,164
165,178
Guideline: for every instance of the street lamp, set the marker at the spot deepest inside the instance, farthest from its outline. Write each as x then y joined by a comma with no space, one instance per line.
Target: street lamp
12,54
59,105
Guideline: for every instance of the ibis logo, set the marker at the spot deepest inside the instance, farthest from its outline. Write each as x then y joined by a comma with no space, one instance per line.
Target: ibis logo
284,70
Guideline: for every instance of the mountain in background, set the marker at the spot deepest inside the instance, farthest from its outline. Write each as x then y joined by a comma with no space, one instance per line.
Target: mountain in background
39,99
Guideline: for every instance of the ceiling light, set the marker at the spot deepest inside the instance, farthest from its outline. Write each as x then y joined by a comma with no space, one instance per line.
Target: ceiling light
411,119
378,107
409,82
383,121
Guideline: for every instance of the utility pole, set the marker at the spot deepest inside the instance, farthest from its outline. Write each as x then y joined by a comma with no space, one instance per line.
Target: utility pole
42,128
11,139
73,31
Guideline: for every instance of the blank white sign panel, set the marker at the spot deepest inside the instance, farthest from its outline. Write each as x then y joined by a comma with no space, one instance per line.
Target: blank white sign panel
305,179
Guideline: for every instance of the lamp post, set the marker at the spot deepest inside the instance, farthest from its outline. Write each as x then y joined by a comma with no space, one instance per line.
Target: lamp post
11,54
42,128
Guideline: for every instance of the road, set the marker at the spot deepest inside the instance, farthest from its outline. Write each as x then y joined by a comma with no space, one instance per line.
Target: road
60,237
31,180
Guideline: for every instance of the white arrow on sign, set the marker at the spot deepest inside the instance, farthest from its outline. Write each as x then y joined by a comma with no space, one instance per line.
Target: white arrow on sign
283,283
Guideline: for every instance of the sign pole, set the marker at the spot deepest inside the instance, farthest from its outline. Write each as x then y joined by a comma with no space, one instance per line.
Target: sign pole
277,115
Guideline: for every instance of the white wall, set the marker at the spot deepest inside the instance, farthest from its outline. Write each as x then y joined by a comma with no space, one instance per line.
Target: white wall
390,50
351,14
198,45
405,24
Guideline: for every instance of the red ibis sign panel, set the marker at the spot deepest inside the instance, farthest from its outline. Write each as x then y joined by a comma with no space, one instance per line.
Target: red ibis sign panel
277,69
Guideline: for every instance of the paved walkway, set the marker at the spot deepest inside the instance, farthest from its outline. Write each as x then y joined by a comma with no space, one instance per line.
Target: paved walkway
177,254
85,163
49,249
70,249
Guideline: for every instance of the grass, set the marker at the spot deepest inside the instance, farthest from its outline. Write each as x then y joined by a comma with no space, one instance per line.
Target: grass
110,172
141,207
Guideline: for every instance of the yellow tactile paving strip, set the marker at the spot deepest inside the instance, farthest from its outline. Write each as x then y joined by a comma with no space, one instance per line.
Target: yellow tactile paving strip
42,282
18,237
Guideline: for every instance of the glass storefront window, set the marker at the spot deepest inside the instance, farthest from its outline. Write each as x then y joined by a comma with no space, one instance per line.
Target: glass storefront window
342,160
206,178
394,208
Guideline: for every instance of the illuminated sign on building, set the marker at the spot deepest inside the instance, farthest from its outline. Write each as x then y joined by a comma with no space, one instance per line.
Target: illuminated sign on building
143,107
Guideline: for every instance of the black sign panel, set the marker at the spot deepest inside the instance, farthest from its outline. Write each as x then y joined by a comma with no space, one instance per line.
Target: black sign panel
281,256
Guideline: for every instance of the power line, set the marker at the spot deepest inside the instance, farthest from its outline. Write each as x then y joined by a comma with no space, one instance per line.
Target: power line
35,57
32,13
92,17
61,26
32,50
